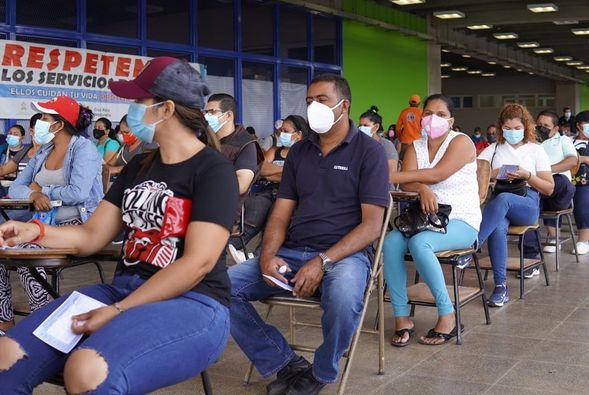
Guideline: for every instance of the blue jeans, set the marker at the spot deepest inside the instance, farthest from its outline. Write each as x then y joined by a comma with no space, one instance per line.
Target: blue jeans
501,211
146,347
341,291
423,247
581,210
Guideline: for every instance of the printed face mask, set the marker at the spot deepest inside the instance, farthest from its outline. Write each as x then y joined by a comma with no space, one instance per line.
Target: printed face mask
513,136
214,122
435,126
543,133
321,117
42,134
12,140
135,116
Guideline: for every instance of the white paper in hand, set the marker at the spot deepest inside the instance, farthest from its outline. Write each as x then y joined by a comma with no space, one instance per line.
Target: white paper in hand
278,282
56,330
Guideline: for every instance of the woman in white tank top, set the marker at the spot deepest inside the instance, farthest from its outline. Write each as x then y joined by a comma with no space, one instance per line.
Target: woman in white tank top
442,169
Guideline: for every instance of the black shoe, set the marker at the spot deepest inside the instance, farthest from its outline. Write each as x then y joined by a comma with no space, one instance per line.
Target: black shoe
287,375
305,384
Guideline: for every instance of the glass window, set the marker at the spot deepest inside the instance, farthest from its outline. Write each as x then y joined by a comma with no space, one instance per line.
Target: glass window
168,21
293,91
215,24
293,33
257,95
527,100
155,52
59,14
113,17
508,99
220,74
113,48
318,71
546,101
487,101
48,41
256,27
467,102
456,101
325,39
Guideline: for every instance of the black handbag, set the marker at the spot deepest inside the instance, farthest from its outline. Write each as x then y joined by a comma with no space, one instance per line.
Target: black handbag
412,220
517,187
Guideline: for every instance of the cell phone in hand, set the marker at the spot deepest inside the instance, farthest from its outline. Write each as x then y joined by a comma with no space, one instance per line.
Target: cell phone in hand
56,203
506,169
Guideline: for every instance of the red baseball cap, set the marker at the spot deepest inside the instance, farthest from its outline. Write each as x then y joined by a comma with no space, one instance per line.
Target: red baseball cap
166,77
65,106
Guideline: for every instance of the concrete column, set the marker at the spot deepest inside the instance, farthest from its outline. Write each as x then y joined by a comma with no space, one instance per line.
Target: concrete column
567,94
434,59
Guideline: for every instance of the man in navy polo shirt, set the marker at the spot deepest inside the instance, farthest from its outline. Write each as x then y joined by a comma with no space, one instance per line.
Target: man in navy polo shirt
329,210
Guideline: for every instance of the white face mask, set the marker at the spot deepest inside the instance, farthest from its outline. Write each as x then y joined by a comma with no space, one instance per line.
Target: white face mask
321,117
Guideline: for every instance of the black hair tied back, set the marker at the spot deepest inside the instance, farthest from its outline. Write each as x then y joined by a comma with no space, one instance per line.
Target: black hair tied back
84,119
374,116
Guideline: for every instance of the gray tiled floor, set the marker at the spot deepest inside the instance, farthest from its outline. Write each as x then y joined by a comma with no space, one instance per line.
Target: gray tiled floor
536,346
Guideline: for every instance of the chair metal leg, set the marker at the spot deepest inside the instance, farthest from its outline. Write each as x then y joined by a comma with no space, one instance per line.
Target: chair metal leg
557,242
482,287
412,312
544,266
456,307
206,383
573,237
242,240
521,265
100,271
380,313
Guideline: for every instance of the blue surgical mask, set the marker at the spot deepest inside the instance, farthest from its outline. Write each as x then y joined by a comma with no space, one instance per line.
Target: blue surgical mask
42,134
135,116
286,140
367,130
513,136
214,122
12,140
586,130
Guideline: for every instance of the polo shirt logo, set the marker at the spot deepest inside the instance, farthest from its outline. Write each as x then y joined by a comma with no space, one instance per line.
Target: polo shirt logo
336,167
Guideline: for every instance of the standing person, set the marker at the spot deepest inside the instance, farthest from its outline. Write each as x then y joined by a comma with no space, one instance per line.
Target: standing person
16,153
563,157
131,147
409,122
106,139
516,145
581,181
568,119
442,169
328,212
166,317
371,124
66,168
237,144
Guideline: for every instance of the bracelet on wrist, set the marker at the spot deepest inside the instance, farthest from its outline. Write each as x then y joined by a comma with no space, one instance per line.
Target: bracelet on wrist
118,306
41,234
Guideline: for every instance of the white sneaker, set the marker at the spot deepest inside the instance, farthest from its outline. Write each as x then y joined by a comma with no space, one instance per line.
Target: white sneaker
238,255
550,246
582,248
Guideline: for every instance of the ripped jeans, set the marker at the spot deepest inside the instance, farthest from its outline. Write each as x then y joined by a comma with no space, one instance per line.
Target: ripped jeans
146,347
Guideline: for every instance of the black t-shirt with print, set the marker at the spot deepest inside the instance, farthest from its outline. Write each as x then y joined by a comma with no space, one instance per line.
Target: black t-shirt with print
158,206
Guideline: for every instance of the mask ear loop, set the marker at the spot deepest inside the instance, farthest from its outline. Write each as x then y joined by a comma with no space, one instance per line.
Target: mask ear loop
341,114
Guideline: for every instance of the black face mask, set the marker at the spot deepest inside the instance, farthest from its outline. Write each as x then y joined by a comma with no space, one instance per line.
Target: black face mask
542,133
98,134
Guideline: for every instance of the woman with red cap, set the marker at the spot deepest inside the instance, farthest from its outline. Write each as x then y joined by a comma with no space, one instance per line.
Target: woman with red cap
66,168
165,317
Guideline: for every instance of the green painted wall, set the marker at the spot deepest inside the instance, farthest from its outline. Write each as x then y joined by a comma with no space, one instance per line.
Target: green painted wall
584,100
383,68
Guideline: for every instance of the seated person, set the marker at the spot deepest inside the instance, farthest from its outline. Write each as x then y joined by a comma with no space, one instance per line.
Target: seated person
259,202
130,147
449,178
371,124
166,317
323,242
16,153
581,181
563,157
516,145
106,139
66,168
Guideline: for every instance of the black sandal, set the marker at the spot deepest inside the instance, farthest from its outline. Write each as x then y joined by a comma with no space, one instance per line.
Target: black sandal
400,333
432,334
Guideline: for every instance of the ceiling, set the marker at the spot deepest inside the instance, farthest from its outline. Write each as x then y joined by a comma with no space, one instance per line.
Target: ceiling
512,16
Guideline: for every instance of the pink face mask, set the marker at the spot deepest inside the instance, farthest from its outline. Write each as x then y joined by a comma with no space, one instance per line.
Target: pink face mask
434,126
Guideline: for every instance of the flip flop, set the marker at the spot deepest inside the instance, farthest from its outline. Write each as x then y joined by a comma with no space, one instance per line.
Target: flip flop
432,334
400,333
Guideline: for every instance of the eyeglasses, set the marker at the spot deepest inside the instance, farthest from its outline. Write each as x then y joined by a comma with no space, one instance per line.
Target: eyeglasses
212,111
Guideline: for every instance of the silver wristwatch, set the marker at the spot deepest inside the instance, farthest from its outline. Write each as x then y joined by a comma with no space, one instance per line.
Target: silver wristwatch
327,264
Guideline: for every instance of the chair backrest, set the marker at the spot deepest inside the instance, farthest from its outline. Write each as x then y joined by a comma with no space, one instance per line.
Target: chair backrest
377,263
